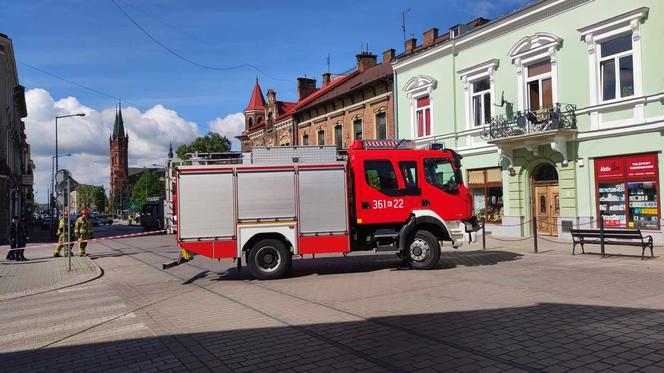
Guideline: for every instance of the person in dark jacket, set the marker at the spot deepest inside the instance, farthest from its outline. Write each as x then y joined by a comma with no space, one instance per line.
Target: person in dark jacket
18,238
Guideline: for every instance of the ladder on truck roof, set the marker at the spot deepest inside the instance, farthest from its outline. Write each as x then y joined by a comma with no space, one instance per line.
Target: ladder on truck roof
307,154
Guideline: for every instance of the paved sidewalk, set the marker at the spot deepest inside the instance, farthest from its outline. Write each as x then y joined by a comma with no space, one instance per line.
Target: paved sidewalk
43,274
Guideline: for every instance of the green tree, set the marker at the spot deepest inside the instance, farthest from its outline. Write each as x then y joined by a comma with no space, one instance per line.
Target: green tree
84,195
210,143
99,197
148,185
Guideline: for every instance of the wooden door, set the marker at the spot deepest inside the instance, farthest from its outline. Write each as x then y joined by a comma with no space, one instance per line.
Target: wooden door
547,208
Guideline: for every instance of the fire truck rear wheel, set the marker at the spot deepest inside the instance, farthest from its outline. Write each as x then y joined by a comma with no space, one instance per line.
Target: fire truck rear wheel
423,250
269,259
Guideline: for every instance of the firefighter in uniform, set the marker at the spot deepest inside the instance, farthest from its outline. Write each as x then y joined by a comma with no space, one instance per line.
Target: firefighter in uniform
62,234
83,230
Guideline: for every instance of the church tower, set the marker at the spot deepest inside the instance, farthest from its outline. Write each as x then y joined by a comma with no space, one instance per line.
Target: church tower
119,144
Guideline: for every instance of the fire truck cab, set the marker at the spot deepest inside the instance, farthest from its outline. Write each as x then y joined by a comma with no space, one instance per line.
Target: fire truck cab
280,202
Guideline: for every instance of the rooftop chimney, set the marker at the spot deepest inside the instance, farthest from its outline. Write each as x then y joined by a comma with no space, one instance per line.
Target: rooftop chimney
410,45
365,60
327,78
305,87
430,36
388,55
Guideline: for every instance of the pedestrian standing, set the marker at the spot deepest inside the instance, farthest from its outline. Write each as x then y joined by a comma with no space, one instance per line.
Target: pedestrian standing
62,234
18,238
83,230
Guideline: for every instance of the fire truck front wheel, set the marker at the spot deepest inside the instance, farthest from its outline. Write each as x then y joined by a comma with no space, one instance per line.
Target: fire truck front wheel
423,250
269,259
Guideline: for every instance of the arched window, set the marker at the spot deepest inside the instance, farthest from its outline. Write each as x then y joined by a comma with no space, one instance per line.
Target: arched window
251,122
545,172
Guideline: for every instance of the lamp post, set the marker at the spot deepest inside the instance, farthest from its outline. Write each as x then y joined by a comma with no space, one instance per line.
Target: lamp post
57,168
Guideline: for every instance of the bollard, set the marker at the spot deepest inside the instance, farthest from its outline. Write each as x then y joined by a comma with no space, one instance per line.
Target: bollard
535,232
601,234
483,234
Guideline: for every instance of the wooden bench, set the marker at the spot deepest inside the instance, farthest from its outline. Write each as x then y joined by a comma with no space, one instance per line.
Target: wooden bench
622,237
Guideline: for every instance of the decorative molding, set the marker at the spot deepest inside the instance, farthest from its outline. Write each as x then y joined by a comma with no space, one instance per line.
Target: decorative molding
534,43
420,83
479,68
632,19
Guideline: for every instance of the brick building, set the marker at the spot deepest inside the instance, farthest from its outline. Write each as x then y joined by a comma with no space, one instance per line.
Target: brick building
266,123
119,147
354,105
16,166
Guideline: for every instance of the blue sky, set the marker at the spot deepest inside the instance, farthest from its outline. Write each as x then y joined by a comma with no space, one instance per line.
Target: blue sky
92,42
166,99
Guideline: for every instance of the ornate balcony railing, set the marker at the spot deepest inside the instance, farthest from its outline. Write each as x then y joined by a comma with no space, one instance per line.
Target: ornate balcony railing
557,118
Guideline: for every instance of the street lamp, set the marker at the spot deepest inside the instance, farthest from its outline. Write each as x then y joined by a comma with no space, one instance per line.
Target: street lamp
56,135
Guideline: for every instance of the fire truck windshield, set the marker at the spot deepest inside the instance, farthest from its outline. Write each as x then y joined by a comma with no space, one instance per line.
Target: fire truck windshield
440,173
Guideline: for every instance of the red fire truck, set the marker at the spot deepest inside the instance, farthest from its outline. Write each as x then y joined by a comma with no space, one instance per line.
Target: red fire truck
280,202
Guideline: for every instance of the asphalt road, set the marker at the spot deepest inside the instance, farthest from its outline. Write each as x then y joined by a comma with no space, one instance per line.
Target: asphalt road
494,310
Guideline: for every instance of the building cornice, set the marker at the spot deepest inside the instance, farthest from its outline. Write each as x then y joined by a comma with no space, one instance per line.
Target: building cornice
519,19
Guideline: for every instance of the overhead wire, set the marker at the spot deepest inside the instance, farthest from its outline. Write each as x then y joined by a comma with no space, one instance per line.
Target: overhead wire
188,60
94,90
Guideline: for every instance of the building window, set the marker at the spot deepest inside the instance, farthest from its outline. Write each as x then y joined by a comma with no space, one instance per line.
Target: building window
251,122
321,137
419,90
614,60
538,86
423,116
381,126
357,129
627,194
338,136
380,174
481,102
486,188
305,139
616,68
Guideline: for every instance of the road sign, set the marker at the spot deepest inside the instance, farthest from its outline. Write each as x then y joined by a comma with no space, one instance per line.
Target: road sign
133,206
61,181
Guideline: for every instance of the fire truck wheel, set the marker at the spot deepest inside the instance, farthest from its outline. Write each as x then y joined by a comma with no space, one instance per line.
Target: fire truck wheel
423,250
269,259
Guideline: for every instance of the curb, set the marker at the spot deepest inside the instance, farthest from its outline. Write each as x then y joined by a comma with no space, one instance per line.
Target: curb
99,272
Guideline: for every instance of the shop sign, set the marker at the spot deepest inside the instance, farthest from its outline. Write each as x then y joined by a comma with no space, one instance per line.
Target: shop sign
642,165
610,168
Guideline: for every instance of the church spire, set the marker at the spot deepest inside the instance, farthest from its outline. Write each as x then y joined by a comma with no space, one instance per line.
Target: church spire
118,127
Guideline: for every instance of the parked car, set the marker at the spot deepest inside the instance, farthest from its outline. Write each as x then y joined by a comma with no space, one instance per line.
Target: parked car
101,219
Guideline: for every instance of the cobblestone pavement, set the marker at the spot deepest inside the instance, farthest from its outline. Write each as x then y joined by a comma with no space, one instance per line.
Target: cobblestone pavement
42,274
502,309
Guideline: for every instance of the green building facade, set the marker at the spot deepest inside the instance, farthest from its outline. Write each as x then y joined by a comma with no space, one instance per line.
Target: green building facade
557,108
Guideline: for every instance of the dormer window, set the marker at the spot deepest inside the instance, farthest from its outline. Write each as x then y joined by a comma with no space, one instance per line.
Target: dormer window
457,31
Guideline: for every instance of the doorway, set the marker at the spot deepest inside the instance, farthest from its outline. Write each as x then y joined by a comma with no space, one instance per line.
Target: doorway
546,199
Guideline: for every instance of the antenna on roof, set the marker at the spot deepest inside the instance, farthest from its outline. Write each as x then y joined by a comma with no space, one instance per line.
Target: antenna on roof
328,62
403,23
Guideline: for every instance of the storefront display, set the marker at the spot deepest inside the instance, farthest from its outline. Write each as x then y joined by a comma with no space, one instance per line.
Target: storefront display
627,195
487,190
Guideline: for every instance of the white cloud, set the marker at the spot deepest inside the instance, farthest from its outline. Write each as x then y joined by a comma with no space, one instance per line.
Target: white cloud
87,138
230,126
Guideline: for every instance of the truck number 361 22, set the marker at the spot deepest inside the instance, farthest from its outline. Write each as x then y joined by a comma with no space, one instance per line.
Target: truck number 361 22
387,203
